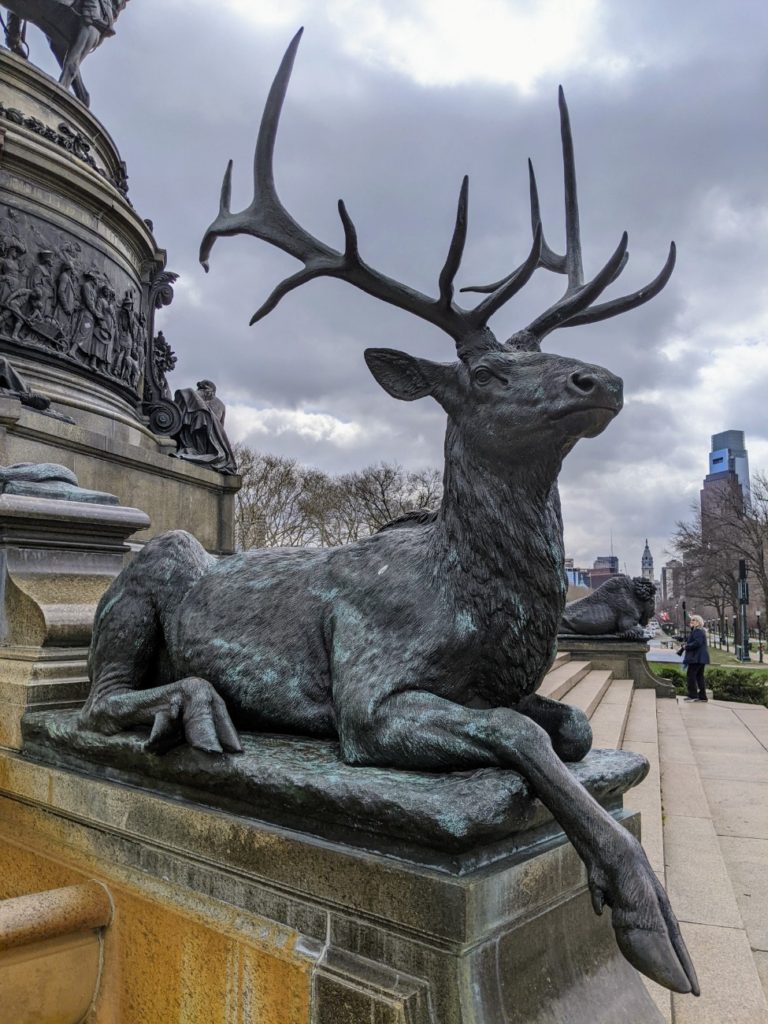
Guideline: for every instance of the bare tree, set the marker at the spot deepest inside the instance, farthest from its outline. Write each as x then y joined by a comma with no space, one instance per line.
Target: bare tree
384,492
285,504
712,543
710,565
742,526
268,507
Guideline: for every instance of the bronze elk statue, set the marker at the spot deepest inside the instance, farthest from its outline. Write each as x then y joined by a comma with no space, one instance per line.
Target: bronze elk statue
420,647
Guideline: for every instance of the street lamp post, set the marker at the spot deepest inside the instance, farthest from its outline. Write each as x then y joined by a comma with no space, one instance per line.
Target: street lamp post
743,592
759,638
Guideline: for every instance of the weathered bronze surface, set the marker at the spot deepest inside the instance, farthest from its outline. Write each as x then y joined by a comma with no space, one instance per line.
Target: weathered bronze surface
201,437
421,648
622,607
305,783
73,29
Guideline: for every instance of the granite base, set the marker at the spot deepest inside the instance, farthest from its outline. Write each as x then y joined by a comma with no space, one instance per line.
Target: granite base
308,931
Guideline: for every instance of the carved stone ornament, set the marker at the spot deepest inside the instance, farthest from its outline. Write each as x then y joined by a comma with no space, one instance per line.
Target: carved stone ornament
418,649
158,406
67,138
74,29
13,385
621,607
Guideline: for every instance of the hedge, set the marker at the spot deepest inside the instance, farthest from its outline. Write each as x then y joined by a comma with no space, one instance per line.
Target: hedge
743,686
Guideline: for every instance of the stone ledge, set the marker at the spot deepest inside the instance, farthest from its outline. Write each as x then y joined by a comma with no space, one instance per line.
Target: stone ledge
515,942
625,658
215,852
302,783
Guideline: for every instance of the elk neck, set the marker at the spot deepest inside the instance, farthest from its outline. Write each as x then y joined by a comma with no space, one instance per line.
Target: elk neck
499,536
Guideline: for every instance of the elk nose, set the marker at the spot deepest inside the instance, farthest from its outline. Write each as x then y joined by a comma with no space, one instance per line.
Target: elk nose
581,382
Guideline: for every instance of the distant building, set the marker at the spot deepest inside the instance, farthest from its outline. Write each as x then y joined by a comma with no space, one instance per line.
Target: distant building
729,454
728,474
646,563
577,577
603,568
609,562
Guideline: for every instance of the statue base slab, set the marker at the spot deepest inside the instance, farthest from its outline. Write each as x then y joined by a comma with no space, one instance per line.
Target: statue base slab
455,819
228,919
625,658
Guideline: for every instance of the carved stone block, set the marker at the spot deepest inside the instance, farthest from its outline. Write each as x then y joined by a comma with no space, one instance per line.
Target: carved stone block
57,558
390,939
625,658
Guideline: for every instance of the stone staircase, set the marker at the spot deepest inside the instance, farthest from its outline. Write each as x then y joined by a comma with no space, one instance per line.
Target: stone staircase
704,807
594,691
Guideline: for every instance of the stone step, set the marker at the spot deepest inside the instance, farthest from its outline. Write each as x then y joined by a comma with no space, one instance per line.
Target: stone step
560,659
641,735
609,719
558,681
589,691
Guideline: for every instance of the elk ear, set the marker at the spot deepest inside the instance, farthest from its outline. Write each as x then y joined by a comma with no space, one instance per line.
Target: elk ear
403,376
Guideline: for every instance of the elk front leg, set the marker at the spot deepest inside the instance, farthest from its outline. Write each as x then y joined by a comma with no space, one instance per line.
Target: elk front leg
567,727
128,654
188,710
418,730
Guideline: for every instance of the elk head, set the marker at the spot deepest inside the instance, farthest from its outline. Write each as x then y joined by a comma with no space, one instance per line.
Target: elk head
497,393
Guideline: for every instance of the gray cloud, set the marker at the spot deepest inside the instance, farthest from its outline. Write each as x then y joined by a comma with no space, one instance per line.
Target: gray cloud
674,147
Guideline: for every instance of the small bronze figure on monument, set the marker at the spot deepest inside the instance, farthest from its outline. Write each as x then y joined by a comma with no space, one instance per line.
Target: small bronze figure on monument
201,437
74,29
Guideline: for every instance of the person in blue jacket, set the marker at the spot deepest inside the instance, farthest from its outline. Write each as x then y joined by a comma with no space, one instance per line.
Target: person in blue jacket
695,658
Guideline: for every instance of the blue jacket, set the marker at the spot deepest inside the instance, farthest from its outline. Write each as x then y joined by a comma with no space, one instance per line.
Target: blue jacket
696,652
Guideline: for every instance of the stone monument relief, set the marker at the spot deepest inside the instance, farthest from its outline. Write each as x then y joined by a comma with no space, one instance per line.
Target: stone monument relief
60,298
82,278
70,139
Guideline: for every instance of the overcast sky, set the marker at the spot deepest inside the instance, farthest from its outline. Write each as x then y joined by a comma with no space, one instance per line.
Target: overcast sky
391,102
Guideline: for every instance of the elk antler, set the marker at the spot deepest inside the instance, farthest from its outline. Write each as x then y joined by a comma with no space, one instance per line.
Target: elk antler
266,218
575,306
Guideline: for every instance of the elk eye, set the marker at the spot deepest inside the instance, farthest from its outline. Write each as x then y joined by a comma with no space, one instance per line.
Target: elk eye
483,376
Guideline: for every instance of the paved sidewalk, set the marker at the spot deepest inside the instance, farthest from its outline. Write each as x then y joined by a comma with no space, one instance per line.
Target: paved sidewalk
714,790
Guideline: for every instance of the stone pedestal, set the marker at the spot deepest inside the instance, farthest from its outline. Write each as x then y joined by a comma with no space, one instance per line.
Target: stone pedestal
625,658
223,919
56,560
